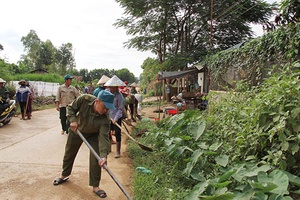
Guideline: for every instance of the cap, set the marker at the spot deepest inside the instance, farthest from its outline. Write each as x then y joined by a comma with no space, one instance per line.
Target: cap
114,81
22,82
107,98
68,76
2,81
103,80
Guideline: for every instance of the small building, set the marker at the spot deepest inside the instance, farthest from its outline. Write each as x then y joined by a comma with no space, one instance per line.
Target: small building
192,80
39,71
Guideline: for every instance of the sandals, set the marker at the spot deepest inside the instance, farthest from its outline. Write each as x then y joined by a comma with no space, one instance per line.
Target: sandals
59,181
101,193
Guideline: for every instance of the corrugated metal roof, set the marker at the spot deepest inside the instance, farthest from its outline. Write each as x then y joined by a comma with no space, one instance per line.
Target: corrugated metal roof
175,74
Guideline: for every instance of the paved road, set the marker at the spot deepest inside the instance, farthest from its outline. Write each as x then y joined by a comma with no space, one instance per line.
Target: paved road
31,153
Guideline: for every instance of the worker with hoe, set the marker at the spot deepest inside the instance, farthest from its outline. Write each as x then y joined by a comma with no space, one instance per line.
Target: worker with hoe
113,85
89,115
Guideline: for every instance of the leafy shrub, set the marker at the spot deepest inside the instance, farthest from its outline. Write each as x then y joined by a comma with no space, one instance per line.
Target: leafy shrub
246,145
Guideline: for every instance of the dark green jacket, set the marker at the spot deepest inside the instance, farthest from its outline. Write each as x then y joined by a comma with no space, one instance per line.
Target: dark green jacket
82,111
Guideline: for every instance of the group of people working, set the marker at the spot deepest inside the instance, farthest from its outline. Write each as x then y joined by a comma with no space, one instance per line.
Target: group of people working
97,116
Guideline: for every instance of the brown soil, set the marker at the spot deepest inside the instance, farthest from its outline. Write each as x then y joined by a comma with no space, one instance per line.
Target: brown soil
31,153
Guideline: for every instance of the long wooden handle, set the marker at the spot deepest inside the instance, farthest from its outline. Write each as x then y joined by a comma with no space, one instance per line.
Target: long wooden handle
104,166
141,145
27,101
125,132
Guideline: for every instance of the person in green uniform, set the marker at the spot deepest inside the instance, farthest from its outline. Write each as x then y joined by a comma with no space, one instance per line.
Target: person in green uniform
88,114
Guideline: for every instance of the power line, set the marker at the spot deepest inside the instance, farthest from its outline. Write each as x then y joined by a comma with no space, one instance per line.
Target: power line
228,9
226,13
247,10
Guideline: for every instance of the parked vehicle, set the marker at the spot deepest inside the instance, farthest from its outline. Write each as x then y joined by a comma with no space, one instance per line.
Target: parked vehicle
7,111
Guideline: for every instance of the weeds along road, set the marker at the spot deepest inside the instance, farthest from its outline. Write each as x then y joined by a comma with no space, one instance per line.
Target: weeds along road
31,153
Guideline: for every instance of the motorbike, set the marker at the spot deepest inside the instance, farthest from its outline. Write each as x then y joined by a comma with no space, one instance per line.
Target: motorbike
7,111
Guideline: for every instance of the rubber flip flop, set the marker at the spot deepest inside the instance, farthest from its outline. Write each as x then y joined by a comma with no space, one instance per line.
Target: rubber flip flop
59,181
101,193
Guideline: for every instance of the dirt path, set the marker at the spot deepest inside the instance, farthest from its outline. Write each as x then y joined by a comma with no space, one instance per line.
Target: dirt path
31,153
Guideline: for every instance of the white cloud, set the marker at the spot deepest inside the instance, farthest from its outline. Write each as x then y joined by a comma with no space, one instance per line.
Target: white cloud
85,24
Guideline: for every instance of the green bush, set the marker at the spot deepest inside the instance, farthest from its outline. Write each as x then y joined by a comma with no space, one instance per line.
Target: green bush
245,146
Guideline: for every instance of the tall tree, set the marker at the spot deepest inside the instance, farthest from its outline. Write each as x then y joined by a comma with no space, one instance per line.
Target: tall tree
64,58
31,43
150,68
46,56
96,74
85,74
176,29
125,75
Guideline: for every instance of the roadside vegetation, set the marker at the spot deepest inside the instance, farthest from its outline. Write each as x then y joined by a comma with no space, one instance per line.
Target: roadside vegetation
245,146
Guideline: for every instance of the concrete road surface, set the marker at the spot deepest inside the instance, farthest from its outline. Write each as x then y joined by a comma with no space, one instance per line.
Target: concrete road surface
31,153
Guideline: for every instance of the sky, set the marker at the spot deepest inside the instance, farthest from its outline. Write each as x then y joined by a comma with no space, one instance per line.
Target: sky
88,25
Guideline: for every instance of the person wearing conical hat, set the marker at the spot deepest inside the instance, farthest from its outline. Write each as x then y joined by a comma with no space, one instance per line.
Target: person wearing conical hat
100,84
22,97
117,114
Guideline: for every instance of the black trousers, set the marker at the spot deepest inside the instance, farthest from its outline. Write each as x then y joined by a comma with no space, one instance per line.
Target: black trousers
65,124
23,107
133,108
117,129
